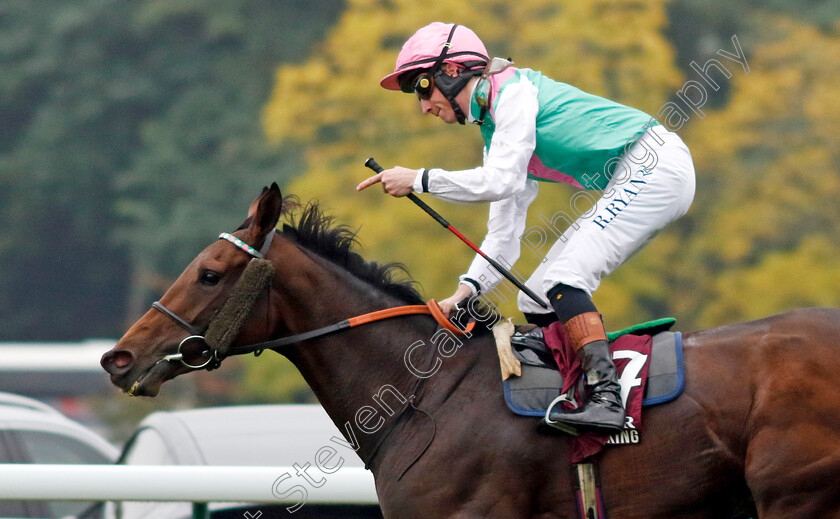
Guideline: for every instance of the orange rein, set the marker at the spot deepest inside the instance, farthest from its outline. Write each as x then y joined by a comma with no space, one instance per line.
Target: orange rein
431,307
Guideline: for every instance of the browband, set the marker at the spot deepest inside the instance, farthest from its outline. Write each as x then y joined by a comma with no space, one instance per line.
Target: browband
260,254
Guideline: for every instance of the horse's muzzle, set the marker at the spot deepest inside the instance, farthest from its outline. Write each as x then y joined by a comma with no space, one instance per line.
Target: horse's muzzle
117,362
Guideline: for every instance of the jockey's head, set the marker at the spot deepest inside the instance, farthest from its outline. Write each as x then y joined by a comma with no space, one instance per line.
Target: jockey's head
441,55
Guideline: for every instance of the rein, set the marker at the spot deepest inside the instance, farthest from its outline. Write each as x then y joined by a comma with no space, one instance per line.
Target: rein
195,352
429,308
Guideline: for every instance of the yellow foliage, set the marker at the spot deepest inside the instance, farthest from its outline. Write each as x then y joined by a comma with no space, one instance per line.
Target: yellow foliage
769,162
272,379
806,276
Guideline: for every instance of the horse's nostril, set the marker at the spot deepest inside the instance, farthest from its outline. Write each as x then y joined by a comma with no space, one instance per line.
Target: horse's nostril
117,360
123,359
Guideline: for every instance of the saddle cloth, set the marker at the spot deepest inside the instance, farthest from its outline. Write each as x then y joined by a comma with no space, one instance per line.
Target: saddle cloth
650,371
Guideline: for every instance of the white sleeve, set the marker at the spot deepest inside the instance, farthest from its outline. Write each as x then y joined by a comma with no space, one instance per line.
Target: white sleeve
505,167
505,226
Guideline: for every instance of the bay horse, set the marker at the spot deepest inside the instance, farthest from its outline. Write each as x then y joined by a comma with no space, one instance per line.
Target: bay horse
756,430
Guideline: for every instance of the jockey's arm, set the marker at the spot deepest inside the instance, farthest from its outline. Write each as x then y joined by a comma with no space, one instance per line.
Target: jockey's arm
505,225
505,168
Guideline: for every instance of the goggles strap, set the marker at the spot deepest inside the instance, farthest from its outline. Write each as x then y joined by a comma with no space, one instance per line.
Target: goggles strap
444,51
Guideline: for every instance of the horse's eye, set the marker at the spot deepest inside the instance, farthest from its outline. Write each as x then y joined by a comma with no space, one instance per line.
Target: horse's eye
210,278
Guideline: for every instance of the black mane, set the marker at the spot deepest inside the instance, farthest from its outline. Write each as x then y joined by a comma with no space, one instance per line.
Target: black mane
317,232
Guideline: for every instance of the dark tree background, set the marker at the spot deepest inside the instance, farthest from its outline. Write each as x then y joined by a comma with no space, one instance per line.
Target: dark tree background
129,137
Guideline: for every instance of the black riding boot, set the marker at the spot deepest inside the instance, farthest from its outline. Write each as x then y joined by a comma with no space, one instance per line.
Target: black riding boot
602,410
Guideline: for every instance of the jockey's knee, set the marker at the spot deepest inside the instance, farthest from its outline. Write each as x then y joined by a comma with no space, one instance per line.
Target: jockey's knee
569,302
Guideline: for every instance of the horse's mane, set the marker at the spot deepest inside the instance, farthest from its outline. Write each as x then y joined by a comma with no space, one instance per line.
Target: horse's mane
317,232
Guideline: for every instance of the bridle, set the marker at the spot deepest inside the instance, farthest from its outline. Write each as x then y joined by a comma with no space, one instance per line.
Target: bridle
194,351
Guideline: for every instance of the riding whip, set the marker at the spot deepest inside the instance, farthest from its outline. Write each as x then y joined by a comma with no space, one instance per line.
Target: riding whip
372,164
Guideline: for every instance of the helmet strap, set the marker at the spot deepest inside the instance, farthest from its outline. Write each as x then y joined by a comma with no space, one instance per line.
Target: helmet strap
450,87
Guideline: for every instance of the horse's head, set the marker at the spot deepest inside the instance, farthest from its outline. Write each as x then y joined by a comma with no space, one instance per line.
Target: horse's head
149,353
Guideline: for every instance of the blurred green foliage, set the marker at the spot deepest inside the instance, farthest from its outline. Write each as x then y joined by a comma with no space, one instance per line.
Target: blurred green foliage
131,137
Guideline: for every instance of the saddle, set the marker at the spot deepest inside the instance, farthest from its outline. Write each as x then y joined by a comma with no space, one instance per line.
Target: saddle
533,380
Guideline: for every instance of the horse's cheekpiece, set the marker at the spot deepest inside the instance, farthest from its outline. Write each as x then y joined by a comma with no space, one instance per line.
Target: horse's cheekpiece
206,350
254,282
540,384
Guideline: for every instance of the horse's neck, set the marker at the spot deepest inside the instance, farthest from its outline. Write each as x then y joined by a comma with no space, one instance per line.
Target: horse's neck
369,378
359,375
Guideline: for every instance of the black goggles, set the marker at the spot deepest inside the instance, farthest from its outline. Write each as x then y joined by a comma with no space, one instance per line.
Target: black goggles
421,84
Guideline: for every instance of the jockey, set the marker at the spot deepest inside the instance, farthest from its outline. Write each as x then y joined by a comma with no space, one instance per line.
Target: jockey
636,175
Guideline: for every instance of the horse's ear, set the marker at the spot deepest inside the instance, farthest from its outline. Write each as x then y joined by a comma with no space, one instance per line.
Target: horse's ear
265,211
253,208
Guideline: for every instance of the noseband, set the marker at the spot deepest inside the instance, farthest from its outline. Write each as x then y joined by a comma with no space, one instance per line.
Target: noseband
199,352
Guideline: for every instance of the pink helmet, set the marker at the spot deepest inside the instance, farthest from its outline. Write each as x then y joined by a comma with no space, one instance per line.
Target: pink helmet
433,45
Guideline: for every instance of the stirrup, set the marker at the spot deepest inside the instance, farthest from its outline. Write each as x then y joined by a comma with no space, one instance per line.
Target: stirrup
564,398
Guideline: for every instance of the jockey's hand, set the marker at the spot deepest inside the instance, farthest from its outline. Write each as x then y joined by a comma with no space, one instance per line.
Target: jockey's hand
397,181
448,304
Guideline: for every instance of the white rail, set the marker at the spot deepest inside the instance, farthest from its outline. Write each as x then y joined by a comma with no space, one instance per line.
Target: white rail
54,356
197,484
